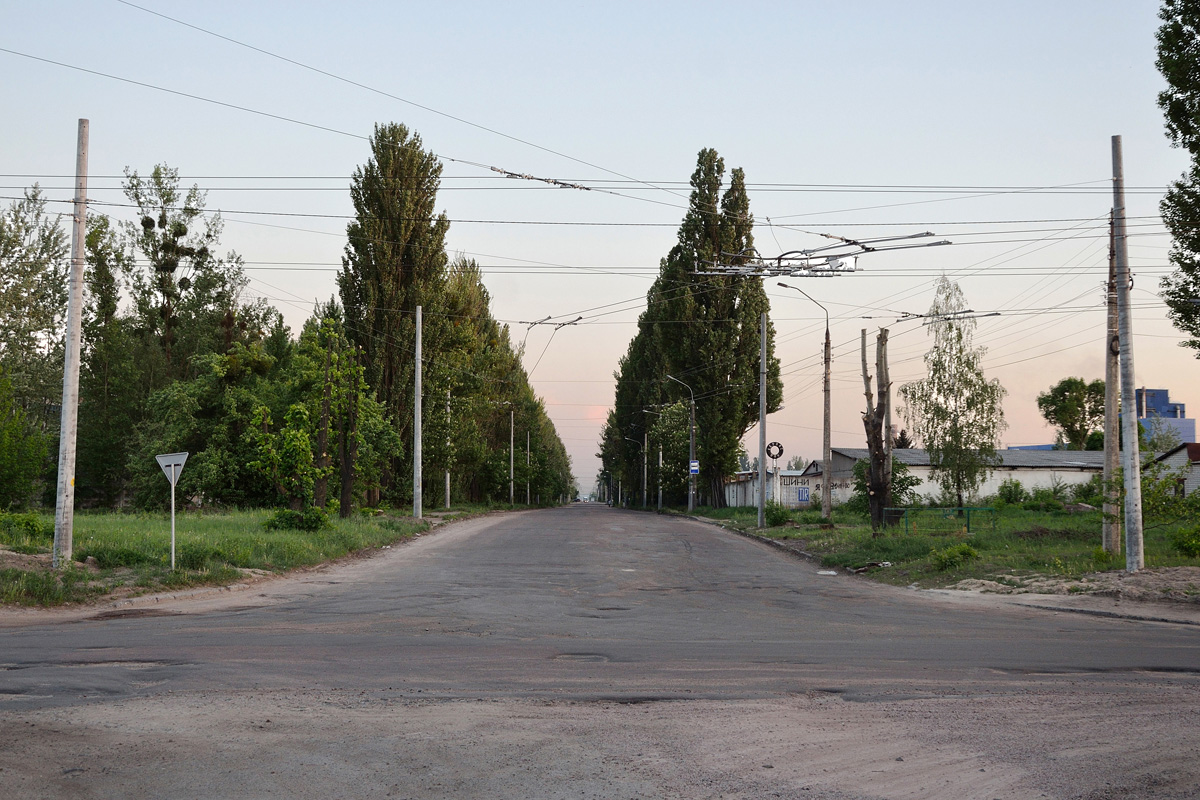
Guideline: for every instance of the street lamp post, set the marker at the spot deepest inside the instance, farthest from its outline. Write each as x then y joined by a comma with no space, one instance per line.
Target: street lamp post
691,447
826,453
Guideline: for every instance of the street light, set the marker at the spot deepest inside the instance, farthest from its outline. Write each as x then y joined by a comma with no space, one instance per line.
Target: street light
826,453
691,447
660,449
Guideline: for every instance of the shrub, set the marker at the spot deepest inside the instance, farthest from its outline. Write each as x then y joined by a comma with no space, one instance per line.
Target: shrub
1043,500
953,556
1012,492
25,532
1187,541
776,514
307,519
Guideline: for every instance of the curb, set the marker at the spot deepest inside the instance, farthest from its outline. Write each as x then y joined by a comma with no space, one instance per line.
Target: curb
1009,599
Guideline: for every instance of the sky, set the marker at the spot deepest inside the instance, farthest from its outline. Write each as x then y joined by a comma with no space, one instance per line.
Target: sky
988,125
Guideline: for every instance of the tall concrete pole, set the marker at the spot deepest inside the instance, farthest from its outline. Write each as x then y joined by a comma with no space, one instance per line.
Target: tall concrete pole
1111,537
826,448
64,507
660,477
512,427
1131,461
447,448
526,467
762,425
417,457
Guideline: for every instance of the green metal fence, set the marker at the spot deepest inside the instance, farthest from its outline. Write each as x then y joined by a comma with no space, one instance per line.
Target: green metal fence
953,521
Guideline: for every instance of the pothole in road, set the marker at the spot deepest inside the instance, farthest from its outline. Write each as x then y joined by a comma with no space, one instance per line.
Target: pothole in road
582,657
126,613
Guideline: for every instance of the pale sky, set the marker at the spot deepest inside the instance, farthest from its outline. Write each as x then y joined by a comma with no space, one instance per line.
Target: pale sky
987,124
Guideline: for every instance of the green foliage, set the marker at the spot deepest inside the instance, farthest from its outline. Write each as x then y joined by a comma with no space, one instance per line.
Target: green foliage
955,411
22,450
904,487
1178,43
953,556
1076,408
305,519
776,514
1187,541
1043,499
25,533
25,588
1012,492
33,280
1163,497
705,331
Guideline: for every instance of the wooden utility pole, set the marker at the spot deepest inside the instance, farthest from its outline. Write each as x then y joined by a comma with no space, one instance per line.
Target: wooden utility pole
1111,537
1130,460
64,507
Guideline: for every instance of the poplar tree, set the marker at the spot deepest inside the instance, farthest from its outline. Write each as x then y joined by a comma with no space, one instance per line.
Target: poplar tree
704,330
1179,62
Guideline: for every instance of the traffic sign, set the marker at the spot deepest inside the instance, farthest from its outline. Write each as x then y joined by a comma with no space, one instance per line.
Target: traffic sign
802,495
774,450
694,468
172,465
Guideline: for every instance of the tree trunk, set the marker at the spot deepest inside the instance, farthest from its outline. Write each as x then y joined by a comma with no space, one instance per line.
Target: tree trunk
879,472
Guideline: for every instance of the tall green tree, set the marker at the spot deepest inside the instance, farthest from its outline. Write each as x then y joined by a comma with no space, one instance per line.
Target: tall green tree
395,260
110,406
704,330
33,279
22,450
1179,62
955,411
1076,408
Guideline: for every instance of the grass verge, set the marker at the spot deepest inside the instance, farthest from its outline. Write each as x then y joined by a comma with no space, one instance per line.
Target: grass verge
1019,546
131,553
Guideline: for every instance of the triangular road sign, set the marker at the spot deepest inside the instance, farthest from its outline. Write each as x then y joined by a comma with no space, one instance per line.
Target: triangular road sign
172,465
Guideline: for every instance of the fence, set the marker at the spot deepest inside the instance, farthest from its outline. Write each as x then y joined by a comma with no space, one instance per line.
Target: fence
954,521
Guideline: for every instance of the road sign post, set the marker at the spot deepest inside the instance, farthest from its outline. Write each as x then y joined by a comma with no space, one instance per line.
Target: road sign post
172,465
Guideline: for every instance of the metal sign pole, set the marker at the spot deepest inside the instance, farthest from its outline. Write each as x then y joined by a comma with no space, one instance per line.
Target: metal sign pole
174,478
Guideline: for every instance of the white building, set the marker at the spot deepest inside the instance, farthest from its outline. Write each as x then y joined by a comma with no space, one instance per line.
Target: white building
1185,457
1034,469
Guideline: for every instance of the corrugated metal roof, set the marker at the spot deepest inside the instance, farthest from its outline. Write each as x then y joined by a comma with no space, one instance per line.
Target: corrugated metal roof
1012,459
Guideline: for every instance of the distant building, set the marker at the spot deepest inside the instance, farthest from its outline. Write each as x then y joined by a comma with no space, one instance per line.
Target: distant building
1156,412
1033,468
1186,459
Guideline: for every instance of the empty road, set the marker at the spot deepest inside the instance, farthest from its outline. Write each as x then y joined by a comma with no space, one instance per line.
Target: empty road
587,652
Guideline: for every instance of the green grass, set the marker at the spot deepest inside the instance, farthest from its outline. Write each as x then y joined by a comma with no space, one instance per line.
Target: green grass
1021,543
134,550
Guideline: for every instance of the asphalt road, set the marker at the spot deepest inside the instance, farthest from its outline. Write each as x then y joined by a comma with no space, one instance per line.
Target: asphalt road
590,652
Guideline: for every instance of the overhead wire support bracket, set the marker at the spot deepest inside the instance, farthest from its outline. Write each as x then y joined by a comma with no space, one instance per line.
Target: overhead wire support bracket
818,262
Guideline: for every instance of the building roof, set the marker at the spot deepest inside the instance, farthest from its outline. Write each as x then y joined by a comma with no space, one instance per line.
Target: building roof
1193,452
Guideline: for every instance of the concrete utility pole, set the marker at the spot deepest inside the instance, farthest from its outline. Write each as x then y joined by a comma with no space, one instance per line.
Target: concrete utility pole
526,467
826,448
447,449
512,428
645,467
64,508
1111,537
660,476
417,424
1131,460
762,426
